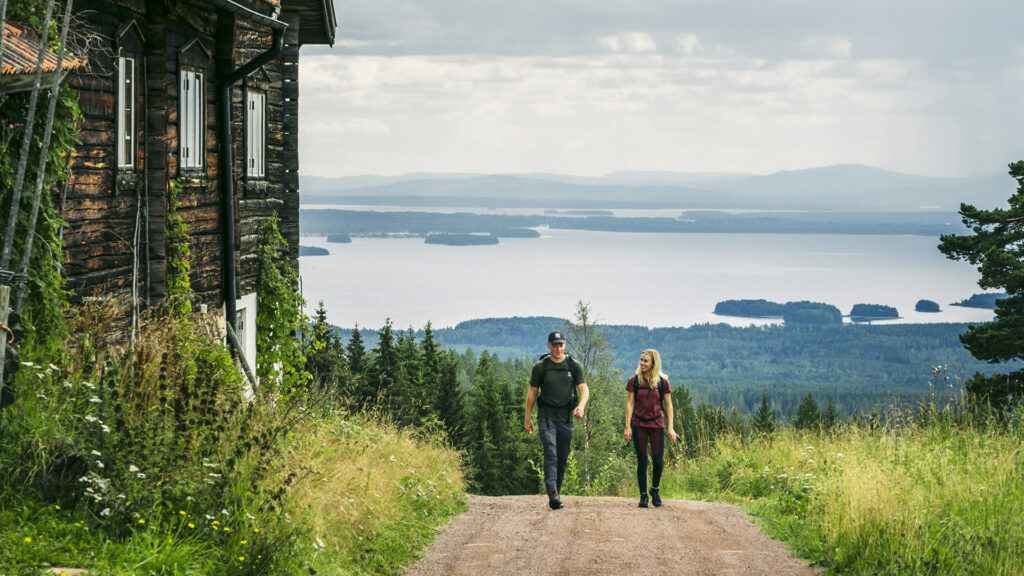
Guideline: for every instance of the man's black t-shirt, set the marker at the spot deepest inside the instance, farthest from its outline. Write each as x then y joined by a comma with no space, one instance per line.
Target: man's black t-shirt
557,388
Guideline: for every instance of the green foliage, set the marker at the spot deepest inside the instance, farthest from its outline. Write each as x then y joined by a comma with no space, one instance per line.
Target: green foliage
807,415
279,318
599,432
874,311
764,420
179,284
325,359
996,247
46,297
148,443
858,365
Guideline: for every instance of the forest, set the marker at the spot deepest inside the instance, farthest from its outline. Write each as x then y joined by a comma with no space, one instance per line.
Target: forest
859,366
985,300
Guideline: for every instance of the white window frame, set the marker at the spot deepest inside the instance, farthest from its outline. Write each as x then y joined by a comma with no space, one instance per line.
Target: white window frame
256,134
191,120
126,148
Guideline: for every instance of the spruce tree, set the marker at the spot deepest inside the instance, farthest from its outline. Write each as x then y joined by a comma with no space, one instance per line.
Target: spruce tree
995,247
807,415
325,356
764,420
830,418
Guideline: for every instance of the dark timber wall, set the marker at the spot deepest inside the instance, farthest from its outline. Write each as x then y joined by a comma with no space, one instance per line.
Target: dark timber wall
115,215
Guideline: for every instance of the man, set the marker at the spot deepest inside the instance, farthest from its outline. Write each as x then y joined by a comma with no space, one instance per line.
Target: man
551,388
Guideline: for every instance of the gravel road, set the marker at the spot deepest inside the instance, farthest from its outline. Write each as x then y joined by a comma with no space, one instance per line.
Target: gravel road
604,536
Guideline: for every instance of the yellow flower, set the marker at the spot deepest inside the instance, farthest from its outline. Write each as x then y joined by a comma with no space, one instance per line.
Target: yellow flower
141,521
256,530
191,525
245,541
27,539
182,512
57,507
241,558
227,529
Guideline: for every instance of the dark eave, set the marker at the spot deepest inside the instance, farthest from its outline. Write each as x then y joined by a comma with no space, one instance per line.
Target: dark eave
317,22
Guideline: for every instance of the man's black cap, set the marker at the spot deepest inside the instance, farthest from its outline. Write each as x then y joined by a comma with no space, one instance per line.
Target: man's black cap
556,337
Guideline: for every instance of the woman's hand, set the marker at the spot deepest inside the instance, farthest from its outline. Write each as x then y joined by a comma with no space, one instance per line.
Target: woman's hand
672,435
628,434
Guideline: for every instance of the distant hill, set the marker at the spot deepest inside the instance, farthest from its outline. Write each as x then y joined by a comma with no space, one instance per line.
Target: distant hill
840,187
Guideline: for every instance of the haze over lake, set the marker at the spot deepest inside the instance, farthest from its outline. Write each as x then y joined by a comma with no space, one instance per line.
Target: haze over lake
647,279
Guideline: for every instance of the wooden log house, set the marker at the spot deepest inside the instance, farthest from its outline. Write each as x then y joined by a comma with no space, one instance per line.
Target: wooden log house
154,97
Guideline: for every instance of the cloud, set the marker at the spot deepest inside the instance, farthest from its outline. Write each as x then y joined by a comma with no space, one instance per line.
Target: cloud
629,42
589,88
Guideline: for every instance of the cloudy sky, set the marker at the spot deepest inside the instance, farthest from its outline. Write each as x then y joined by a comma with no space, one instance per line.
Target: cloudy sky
588,87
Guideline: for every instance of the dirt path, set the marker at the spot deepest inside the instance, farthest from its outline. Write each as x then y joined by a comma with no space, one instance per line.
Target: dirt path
604,536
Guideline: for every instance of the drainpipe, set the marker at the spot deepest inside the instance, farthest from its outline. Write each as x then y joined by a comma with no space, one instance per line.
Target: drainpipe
226,159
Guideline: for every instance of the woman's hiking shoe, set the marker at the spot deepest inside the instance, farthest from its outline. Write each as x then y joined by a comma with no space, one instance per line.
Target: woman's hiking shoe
554,501
655,497
643,500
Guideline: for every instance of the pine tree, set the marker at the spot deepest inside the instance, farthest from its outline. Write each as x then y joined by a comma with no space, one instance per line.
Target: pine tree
807,415
382,374
995,248
325,357
764,420
450,399
685,417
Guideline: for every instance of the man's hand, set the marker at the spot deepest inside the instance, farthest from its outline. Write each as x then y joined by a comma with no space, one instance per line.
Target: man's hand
578,412
528,425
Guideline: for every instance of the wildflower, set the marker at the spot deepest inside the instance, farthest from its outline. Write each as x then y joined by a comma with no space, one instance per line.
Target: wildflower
95,400
213,475
141,521
29,364
96,453
91,418
182,512
227,529
99,464
244,542
41,396
141,475
57,507
133,468
105,428
105,512
241,558
191,525
256,530
208,517
67,385
225,512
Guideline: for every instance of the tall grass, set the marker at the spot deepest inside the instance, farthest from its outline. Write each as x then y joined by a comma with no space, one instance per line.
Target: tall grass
138,454
371,494
932,498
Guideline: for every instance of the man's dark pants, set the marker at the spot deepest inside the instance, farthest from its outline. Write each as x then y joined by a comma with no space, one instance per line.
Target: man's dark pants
556,437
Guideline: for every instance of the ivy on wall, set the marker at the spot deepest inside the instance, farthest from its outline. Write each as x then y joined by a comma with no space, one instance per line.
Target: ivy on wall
279,316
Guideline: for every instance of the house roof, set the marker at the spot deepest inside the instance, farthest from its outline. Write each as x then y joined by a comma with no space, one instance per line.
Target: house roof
21,57
317,22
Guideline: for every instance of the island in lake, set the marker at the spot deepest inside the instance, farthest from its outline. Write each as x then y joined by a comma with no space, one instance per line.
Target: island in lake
802,312
313,251
339,238
872,312
986,300
927,306
462,239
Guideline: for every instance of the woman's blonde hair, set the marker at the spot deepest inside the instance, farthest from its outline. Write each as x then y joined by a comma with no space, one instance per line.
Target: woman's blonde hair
655,369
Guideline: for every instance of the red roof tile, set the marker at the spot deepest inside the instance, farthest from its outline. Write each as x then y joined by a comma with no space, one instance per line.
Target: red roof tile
21,53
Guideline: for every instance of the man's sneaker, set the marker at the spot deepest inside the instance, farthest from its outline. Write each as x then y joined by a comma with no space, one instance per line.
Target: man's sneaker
643,500
655,496
554,501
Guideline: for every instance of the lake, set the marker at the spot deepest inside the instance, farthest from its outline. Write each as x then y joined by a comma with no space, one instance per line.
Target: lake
652,280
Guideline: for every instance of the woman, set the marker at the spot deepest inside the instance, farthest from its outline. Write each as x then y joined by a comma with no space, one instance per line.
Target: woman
648,408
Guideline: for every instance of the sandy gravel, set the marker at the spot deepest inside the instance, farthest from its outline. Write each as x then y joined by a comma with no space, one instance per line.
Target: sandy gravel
604,536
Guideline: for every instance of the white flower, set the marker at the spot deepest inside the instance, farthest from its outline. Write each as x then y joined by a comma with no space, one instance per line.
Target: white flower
90,385
132,468
95,400
96,453
99,464
105,512
225,512
41,396
208,517
213,475
141,475
91,418
68,385
29,364
105,428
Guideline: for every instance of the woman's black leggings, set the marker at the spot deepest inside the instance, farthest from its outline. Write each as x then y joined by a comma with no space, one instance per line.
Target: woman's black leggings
655,437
